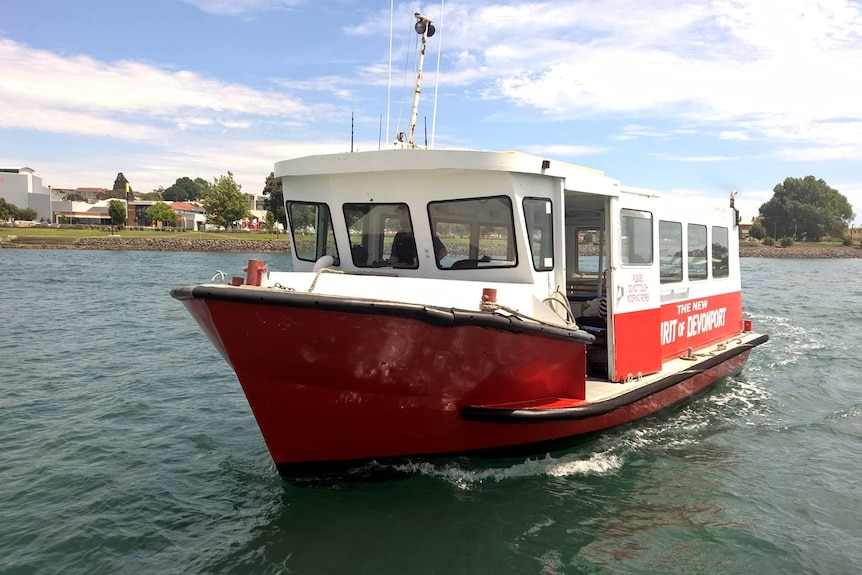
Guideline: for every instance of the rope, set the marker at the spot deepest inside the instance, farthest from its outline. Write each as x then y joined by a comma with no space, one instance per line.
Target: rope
493,307
560,298
317,277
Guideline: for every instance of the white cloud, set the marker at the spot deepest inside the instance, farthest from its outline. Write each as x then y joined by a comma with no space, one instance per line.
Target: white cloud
734,135
126,100
697,159
565,151
756,69
242,7
635,131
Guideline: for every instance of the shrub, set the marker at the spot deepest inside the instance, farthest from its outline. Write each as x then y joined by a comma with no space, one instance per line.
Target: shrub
786,242
768,241
846,241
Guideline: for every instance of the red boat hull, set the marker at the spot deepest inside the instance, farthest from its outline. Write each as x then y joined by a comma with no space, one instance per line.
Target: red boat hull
351,387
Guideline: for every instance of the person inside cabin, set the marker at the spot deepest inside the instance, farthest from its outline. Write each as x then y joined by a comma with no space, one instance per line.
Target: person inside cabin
596,311
403,244
440,250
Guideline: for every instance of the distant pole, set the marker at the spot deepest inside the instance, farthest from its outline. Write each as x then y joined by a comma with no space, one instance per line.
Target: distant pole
437,77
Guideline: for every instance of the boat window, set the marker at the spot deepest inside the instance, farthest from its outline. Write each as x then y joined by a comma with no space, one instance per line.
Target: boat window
720,250
381,235
589,251
311,228
636,237
477,233
538,214
696,252
670,251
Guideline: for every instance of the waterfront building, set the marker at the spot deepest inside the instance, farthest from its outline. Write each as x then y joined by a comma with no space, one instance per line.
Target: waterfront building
24,189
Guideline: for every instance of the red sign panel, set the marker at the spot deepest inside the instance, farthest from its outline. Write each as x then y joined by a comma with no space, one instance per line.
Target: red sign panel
698,322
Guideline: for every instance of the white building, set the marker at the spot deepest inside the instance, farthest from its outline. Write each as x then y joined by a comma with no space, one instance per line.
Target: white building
24,189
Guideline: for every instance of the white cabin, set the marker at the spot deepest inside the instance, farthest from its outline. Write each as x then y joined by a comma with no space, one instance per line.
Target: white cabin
527,227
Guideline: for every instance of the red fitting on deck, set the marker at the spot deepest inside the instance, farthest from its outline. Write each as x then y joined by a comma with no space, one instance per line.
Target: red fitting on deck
489,295
254,272
746,325
235,281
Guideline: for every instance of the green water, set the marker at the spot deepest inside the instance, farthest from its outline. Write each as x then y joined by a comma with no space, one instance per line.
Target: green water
126,446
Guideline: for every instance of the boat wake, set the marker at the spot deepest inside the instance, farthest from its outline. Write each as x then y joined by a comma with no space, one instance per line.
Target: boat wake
465,476
740,401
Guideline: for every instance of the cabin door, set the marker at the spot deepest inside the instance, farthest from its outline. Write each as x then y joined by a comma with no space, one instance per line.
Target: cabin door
633,290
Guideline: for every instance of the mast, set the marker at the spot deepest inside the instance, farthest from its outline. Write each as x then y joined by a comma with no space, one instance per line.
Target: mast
426,29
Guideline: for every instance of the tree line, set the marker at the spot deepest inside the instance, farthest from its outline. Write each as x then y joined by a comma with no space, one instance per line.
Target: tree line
801,209
223,200
12,212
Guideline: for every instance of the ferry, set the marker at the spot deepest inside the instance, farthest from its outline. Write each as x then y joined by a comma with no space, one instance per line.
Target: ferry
460,302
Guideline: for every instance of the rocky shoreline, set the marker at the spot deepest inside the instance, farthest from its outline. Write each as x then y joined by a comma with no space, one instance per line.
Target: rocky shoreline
281,246
799,252
167,244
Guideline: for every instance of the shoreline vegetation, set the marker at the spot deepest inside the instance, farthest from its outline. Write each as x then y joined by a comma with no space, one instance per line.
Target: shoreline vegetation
240,244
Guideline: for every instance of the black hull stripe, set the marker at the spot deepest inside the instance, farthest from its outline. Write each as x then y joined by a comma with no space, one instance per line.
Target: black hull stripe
437,316
498,415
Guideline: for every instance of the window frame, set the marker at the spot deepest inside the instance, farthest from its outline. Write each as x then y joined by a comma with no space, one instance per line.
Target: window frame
321,246
546,245
473,261
678,277
688,253
725,271
632,231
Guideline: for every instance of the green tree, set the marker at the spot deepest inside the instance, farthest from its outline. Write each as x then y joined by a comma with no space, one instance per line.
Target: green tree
12,212
161,212
269,222
202,186
757,231
183,190
121,190
806,208
7,210
26,214
224,201
117,211
274,198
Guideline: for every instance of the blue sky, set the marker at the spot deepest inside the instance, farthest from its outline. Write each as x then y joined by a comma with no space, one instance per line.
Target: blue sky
692,99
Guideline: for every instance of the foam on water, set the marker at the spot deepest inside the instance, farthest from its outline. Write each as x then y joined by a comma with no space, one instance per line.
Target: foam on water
465,476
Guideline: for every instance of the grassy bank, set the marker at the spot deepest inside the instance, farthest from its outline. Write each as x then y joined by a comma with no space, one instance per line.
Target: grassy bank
156,240
75,233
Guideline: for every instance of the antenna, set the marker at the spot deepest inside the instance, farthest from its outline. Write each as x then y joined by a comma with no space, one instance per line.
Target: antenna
426,29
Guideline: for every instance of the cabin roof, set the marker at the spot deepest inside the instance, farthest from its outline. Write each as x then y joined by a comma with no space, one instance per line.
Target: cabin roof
398,160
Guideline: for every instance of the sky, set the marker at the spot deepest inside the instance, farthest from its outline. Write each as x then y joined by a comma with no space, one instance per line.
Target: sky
694,99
